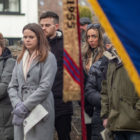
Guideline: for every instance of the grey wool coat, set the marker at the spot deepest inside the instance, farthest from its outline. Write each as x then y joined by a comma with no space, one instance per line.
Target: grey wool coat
35,90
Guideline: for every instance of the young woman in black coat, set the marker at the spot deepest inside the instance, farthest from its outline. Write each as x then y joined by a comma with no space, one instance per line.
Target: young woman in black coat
96,74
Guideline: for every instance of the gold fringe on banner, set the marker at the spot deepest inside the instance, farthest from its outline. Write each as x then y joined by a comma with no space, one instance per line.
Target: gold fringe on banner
71,89
132,72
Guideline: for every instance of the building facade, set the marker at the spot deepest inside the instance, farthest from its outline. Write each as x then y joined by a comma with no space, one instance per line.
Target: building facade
56,6
14,15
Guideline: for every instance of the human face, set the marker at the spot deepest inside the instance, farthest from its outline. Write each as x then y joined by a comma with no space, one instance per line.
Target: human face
108,46
0,50
83,27
49,27
30,40
92,37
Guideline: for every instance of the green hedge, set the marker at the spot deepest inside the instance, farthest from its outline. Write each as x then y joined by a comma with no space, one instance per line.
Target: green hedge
84,11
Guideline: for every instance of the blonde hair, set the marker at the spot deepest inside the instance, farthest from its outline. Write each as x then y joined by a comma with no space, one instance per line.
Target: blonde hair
87,50
2,41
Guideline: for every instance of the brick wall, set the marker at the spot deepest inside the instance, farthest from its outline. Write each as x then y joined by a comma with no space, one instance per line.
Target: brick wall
52,5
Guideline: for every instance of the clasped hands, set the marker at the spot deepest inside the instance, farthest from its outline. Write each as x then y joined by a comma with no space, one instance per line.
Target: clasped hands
20,112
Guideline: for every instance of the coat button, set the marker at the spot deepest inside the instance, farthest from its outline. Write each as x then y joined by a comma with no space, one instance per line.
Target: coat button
25,123
134,107
121,99
26,91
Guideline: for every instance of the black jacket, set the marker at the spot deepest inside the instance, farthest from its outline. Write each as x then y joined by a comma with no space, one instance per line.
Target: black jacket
92,94
6,67
61,108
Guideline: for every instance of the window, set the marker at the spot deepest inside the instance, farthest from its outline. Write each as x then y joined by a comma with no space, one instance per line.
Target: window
10,6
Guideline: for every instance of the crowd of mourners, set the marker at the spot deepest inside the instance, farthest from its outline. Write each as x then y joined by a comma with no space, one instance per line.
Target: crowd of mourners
31,86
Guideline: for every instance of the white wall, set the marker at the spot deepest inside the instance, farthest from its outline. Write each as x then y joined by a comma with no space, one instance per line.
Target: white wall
12,25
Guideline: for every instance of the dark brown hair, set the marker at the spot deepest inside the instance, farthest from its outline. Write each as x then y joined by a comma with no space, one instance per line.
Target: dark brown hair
43,46
50,14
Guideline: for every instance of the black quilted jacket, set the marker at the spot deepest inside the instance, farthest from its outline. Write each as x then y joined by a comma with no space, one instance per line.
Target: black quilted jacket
92,94
61,108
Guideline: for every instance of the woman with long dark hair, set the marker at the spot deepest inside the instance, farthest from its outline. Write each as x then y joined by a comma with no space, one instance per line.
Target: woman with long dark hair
92,51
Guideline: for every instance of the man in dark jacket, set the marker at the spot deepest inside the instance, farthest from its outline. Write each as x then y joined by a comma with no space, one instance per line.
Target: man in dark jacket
84,22
49,22
6,67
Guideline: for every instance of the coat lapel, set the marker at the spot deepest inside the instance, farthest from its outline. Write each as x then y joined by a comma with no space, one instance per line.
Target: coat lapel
35,61
21,69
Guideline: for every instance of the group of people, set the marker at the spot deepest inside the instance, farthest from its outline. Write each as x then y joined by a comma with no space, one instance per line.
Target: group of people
111,101
36,78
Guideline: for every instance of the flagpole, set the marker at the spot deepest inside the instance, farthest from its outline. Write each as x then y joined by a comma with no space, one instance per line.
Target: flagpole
83,127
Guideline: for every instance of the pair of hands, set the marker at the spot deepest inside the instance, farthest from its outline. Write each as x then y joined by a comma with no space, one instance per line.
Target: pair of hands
20,113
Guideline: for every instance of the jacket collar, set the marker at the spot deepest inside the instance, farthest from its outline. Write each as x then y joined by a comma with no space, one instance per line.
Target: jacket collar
59,35
6,54
112,56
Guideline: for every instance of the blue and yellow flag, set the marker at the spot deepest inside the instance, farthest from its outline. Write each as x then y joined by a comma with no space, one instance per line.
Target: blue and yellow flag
121,21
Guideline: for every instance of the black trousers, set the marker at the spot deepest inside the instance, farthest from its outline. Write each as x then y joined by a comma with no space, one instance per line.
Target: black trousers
63,127
88,127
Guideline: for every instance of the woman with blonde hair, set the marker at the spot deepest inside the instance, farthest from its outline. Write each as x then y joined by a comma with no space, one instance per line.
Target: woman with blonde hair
6,67
31,84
